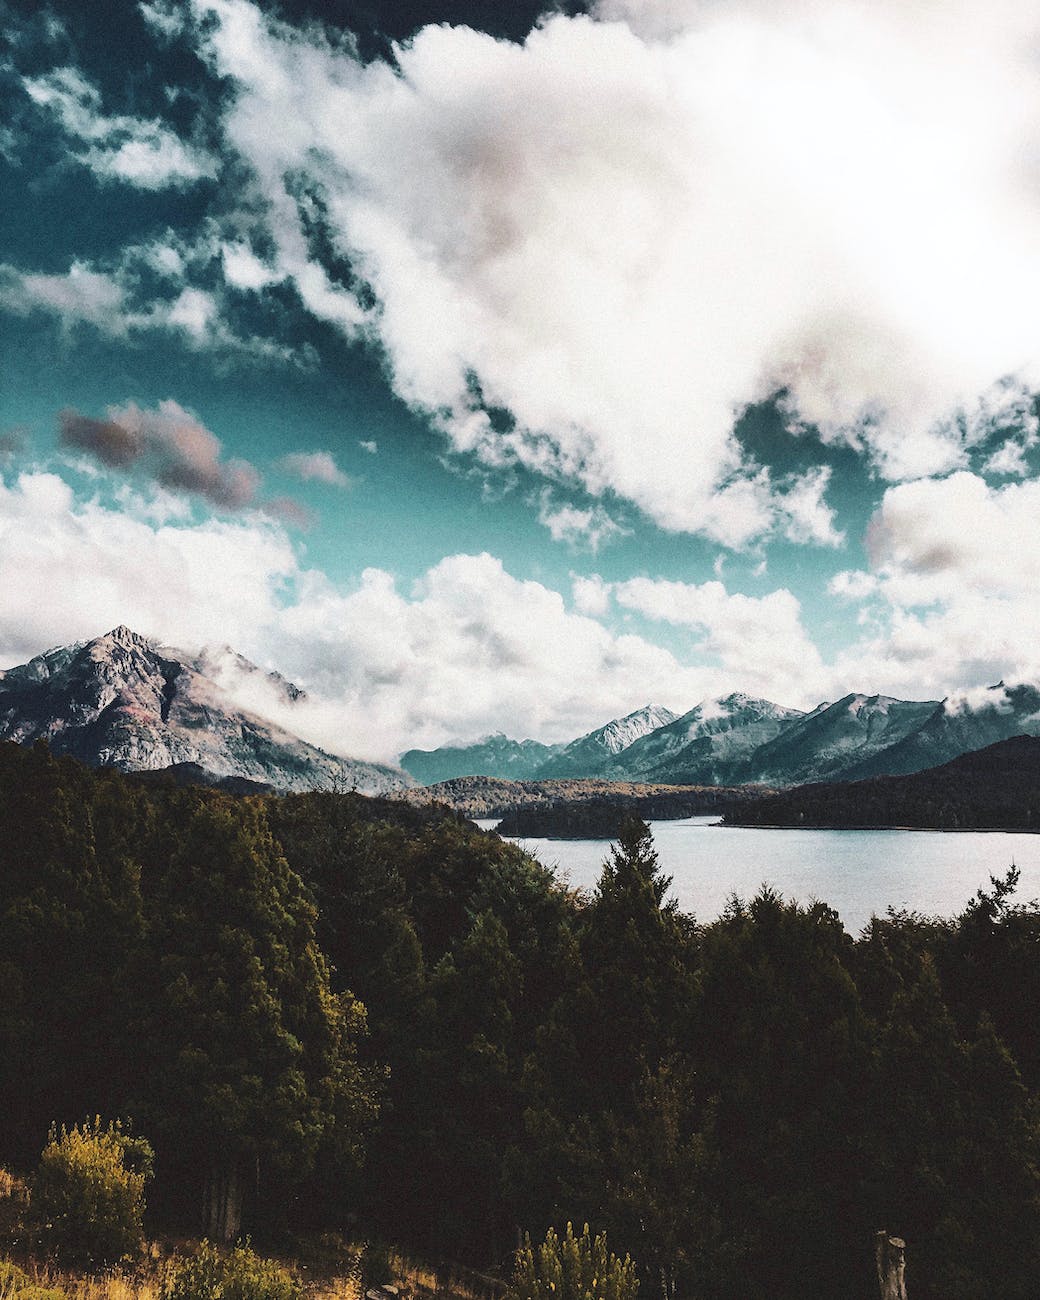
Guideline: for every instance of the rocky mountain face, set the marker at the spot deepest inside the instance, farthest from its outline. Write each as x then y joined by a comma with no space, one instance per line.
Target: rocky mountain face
513,760
956,726
825,743
711,745
593,753
122,701
741,740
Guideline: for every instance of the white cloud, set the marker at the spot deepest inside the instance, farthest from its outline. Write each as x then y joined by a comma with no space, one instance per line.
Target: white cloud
623,232
195,312
936,539
955,567
804,515
81,295
139,152
759,640
163,17
580,528
591,594
112,299
467,650
101,567
244,270
370,446
1009,460
315,466
852,584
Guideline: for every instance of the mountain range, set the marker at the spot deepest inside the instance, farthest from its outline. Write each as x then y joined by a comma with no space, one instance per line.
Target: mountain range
123,701
741,740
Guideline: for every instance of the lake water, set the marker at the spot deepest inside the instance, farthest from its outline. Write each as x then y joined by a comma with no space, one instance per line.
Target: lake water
857,872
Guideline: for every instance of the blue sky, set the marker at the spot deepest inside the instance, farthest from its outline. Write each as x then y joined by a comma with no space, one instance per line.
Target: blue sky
484,368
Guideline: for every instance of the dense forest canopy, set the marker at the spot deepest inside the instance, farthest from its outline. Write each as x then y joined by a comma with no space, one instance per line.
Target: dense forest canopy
996,788
323,1006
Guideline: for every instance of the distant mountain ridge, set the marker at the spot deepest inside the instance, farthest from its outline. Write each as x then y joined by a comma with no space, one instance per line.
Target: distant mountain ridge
592,754
712,744
512,760
126,701
742,740
123,701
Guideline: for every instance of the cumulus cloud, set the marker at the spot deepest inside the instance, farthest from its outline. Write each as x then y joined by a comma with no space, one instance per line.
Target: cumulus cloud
465,650
955,567
580,528
591,594
758,640
369,445
143,153
170,445
633,225
101,567
315,467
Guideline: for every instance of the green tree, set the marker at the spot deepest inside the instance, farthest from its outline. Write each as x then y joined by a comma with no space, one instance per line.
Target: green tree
784,1059
625,1010
70,920
88,1193
572,1268
254,1066
955,1149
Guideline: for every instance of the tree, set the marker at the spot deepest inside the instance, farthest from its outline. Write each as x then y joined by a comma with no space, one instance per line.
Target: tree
572,1268
88,1193
70,923
783,1057
254,1064
624,1012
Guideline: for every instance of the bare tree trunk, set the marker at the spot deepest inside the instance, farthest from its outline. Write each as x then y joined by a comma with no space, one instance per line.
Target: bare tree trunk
890,1253
223,1205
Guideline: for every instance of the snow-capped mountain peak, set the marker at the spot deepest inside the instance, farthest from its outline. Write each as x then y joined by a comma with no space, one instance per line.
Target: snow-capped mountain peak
121,700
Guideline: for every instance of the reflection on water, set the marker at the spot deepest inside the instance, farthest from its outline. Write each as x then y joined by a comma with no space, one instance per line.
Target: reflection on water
856,872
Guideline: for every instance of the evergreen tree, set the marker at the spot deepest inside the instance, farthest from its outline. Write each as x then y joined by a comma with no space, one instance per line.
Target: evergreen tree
254,1059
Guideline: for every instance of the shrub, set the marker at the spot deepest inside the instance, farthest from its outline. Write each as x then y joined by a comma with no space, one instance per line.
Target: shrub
574,1268
87,1198
12,1279
33,1291
240,1274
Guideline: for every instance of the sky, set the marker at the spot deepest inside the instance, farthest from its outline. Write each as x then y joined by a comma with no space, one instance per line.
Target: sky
484,368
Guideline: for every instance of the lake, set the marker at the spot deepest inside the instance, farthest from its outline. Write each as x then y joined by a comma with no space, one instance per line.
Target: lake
857,872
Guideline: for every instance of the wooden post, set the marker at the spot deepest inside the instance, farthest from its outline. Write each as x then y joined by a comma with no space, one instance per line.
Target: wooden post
890,1253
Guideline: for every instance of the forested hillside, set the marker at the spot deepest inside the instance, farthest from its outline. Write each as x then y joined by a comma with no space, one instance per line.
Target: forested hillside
323,1006
996,788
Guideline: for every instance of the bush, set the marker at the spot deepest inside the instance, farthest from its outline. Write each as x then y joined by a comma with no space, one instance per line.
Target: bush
574,1268
15,1284
87,1199
241,1274
12,1279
